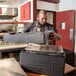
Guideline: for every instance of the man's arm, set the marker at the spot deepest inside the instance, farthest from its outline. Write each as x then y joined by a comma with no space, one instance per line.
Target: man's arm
27,29
56,35
54,31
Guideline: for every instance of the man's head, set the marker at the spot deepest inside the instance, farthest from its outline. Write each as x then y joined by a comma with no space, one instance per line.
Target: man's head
42,17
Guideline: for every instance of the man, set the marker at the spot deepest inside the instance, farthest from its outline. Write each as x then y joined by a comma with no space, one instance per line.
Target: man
41,24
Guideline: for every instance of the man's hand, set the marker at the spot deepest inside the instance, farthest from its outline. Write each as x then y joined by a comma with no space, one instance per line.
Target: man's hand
57,36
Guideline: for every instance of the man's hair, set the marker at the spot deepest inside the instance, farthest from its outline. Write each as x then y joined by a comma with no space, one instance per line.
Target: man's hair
42,11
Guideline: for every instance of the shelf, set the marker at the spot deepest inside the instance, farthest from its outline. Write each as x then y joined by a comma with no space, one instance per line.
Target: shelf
13,22
6,16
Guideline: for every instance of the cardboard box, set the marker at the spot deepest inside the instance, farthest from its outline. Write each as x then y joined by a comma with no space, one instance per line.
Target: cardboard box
68,68
10,67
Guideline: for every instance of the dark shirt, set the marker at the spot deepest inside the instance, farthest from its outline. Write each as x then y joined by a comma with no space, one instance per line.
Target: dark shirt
46,27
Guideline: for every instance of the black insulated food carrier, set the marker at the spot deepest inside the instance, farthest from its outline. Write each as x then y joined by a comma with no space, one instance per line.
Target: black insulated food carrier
43,62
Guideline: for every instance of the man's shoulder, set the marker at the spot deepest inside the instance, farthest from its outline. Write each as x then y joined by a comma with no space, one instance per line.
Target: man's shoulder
48,24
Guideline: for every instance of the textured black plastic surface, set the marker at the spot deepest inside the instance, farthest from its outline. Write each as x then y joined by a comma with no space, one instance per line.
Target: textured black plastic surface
43,63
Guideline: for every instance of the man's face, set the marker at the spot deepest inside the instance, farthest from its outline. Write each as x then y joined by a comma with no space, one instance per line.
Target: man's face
42,18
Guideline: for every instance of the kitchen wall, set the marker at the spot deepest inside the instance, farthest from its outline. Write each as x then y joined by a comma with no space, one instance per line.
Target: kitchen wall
67,5
47,6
